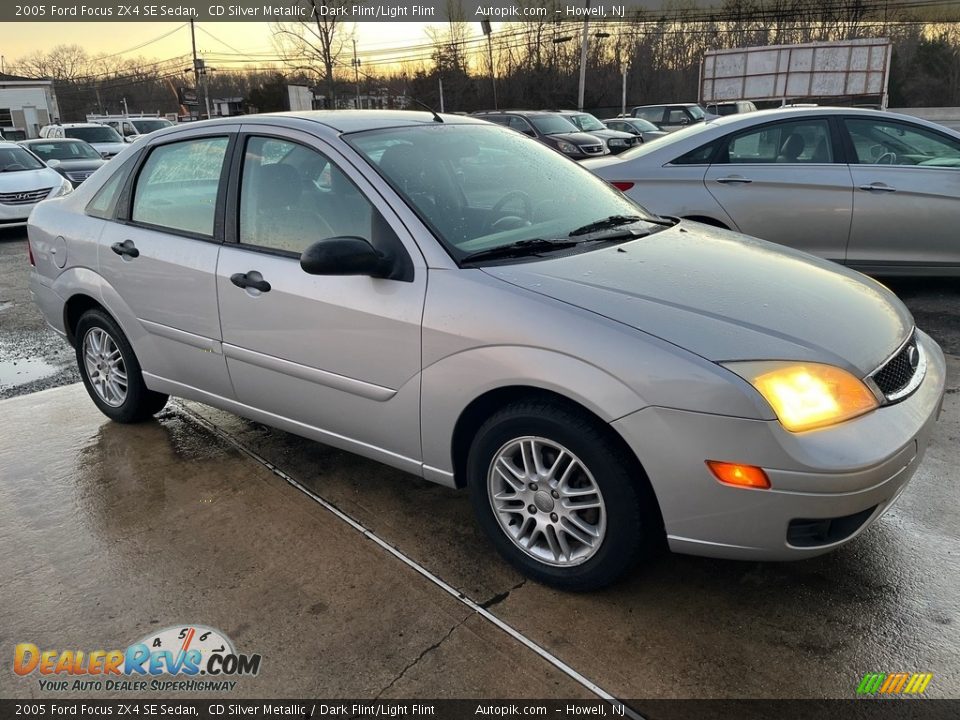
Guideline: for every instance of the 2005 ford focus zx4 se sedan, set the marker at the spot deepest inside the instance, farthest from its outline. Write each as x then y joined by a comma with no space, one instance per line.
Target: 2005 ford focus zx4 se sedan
458,301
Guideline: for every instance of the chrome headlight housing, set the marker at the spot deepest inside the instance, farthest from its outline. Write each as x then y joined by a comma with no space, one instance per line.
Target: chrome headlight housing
66,187
617,142
567,147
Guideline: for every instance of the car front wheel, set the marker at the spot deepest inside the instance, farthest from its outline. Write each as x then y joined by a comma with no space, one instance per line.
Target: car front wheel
111,372
558,496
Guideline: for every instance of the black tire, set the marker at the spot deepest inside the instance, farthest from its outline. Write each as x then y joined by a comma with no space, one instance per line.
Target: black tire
140,403
633,525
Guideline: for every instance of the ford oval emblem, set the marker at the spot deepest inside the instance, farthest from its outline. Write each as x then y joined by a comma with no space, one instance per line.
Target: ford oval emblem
913,357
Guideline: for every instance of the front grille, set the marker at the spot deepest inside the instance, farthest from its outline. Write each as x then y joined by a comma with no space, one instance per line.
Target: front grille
592,149
27,197
900,375
78,176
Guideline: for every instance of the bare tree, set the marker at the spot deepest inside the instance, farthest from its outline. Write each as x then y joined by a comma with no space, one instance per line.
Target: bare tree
318,40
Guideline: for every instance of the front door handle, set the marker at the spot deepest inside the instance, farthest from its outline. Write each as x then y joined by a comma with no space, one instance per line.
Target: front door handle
878,187
252,279
734,179
125,248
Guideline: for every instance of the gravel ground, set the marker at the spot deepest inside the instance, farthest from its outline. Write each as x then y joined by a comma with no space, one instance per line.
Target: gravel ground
33,357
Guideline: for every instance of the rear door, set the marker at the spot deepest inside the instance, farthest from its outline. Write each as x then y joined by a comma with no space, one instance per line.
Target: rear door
160,257
906,200
338,357
784,182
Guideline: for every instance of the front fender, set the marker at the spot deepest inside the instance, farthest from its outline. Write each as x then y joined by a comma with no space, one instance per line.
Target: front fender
445,394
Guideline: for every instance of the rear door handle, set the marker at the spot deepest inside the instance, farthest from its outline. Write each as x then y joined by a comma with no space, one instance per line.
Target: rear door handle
733,179
252,280
878,187
126,248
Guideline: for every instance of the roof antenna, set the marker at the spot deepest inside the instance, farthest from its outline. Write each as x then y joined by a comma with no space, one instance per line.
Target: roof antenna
436,118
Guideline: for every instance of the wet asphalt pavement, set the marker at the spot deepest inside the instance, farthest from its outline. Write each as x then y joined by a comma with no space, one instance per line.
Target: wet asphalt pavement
113,530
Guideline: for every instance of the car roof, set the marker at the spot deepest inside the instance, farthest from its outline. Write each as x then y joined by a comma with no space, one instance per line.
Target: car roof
519,112
8,144
677,104
47,141
348,121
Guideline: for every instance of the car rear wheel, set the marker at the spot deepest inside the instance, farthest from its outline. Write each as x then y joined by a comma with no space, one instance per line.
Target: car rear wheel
111,372
561,500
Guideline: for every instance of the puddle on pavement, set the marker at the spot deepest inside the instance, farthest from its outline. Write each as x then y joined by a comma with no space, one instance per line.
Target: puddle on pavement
14,373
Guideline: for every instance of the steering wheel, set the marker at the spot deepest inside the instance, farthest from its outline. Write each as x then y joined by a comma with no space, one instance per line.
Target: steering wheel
887,158
504,201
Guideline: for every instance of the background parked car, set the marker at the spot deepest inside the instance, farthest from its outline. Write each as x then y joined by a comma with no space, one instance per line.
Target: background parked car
134,128
25,181
671,117
551,129
875,190
643,129
734,107
76,160
617,140
105,139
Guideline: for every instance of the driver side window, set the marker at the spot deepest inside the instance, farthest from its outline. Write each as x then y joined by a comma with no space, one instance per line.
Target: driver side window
880,142
291,196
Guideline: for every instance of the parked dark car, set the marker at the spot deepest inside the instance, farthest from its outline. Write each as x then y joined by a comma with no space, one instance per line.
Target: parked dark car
643,129
551,129
76,160
617,140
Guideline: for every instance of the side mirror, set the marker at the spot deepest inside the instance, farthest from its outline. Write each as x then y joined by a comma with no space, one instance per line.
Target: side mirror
344,256
53,164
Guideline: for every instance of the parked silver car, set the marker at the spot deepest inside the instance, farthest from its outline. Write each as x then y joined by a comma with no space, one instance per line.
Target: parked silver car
875,190
459,301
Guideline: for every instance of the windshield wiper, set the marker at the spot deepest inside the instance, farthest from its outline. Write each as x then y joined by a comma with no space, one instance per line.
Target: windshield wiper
617,220
532,246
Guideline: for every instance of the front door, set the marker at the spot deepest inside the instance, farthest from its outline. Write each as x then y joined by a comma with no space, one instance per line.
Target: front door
781,182
906,199
337,357
160,260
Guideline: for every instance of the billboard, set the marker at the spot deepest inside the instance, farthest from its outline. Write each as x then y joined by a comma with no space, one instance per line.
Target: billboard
848,68
299,97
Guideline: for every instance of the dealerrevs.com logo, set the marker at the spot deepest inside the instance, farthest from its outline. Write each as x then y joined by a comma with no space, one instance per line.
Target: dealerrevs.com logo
178,658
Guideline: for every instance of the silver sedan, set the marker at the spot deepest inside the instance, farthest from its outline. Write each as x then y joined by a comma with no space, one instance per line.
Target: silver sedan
460,302
877,191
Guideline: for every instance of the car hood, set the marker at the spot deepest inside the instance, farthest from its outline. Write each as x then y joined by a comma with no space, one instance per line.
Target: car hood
726,297
609,133
27,180
577,138
85,164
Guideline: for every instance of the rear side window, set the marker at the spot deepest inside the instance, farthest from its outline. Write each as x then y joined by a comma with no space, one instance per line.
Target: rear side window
806,141
104,202
178,185
654,114
700,156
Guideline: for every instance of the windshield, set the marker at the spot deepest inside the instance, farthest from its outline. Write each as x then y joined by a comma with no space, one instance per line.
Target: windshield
64,151
552,124
643,125
98,134
696,112
149,126
480,187
17,159
587,122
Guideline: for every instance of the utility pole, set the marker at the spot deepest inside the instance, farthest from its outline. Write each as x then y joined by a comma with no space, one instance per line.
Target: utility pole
126,110
487,30
584,45
196,62
356,72
440,79
623,98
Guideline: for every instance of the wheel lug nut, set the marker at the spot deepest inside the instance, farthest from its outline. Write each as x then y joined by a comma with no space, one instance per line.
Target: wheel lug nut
553,517
533,486
555,494
532,509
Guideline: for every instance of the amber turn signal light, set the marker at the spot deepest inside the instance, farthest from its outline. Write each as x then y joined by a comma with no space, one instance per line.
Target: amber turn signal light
740,475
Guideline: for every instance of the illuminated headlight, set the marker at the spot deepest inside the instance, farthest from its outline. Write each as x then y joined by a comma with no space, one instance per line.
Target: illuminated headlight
617,142
66,187
807,395
568,148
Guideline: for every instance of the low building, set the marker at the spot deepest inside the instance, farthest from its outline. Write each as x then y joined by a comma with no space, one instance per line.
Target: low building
26,105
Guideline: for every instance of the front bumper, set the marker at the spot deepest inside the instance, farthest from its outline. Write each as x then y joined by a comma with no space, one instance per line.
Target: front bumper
850,473
14,215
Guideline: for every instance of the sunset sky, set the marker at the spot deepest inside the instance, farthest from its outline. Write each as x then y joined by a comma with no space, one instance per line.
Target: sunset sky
19,39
